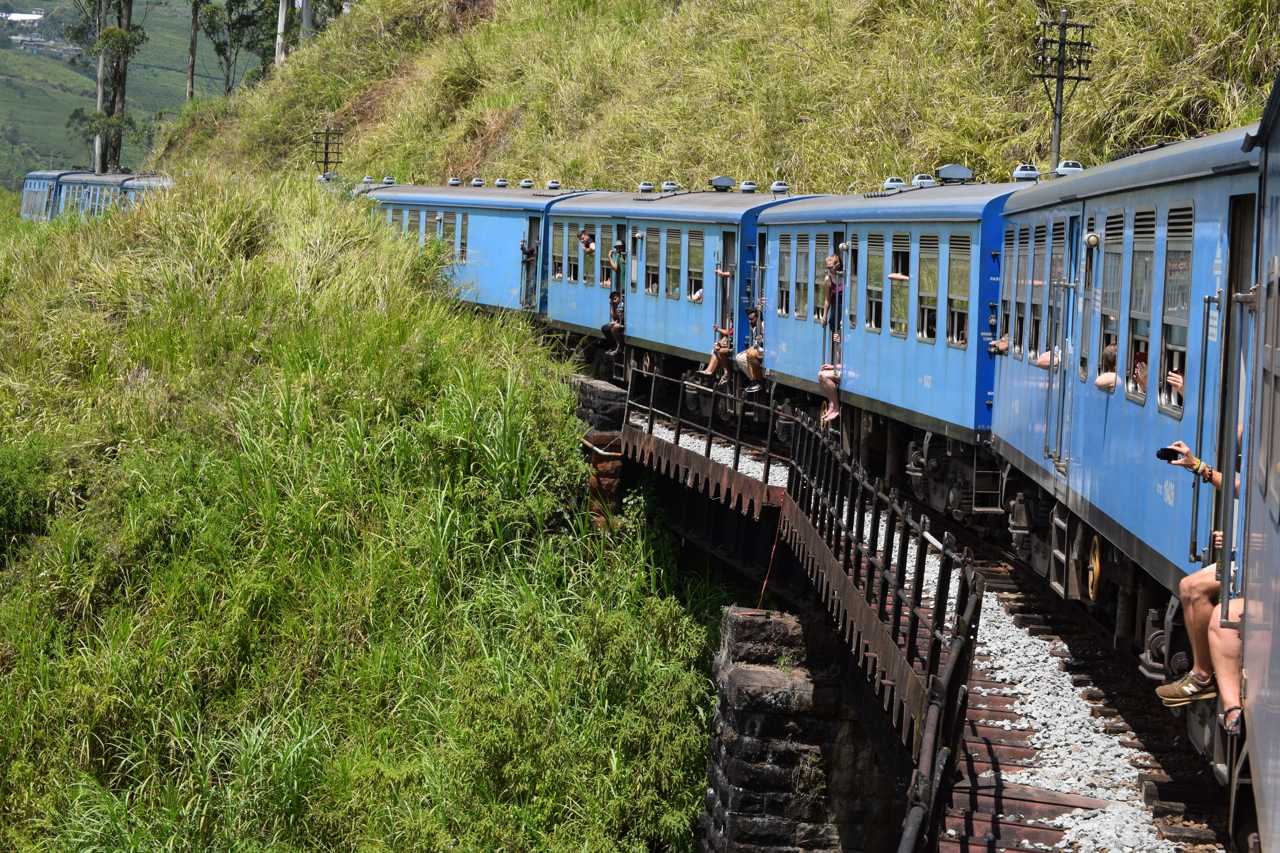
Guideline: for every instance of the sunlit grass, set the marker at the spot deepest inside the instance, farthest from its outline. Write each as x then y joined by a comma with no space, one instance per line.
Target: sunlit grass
293,554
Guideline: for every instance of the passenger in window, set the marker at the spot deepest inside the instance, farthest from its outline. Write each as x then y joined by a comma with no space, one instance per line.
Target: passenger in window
833,288
613,330
829,381
1215,650
588,242
1000,346
1173,381
751,360
1138,379
1107,378
614,265
721,353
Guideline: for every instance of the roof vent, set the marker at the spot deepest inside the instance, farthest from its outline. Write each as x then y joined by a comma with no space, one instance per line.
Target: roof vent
455,182
477,182
645,187
670,186
553,184
779,187
748,187
893,182
526,183
368,179
1026,172
954,173
922,180
501,183
722,183
387,179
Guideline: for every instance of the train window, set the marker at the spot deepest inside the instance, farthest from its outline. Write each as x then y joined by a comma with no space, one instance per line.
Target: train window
450,229
821,249
589,257
1086,304
875,281
633,262
1175,315
673,263
1112,272
1036,345
804,275
927,296
851,279
900,285
760,280
1057,285
693,281
391,216
958,274
652,260
404,219
1023,285
784,275
573,254
1270,379
557,251
1007,286
1141,275
462,239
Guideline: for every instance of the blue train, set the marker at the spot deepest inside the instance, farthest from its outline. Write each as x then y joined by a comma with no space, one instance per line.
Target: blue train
49,194
1014,353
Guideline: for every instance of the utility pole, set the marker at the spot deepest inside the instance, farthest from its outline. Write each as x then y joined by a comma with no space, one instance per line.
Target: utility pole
1062,55
326,148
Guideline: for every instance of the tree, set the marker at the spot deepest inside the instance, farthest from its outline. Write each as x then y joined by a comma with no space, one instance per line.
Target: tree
230,26
191,48
120,43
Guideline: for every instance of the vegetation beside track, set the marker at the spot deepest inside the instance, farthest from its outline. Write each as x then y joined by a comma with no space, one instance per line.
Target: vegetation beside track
822,93
292,554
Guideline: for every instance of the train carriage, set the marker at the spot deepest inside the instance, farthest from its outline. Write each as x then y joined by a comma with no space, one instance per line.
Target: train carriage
49,194
674,242
1256,777
918,272
486,230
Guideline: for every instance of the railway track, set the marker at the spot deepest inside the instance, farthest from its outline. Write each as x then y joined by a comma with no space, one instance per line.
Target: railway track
1065,745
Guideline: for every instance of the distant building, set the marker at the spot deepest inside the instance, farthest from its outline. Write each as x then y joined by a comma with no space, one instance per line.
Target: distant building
26,20
46,47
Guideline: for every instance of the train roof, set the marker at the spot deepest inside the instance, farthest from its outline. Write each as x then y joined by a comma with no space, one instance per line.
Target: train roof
1270,120
1219,153
947,202
679,206
493,198
114,179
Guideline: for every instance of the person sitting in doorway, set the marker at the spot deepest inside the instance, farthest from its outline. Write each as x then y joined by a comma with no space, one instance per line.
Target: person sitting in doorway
721,353
613,330
751,360
1216,654
829,381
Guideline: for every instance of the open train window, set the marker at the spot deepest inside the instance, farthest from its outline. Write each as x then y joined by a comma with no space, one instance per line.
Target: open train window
693,280
1023,284
1057,286
784,275
1007,286
652,260
927,294
462,240
589,257
821,250
557,250
958,275
1112,273
875,281
851,279
900,285
804,275
1176,312
1086,303
1268,444
673,263
450,235
1035,345
761,282
573,253
1141,277
633,262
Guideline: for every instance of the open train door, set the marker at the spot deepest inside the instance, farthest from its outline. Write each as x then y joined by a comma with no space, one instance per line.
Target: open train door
530,263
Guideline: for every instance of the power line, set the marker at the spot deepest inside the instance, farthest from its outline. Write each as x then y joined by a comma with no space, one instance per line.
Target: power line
1062,55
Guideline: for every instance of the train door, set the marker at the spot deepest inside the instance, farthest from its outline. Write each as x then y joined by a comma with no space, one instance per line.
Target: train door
726,286
530,263
617,251
1065,275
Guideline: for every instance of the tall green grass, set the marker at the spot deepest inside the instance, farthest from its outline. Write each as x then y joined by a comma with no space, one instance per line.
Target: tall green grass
294,555
822,93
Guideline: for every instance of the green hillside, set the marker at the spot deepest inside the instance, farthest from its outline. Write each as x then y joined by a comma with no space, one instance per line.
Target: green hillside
39,93
293,554
822,93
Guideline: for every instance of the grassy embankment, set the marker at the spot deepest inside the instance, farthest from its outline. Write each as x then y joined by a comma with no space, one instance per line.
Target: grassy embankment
818,92
293,555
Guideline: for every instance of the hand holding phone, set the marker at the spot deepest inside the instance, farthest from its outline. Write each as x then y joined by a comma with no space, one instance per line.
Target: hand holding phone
1168,454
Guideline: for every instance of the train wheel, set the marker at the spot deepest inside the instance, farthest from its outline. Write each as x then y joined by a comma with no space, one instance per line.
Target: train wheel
1095,568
